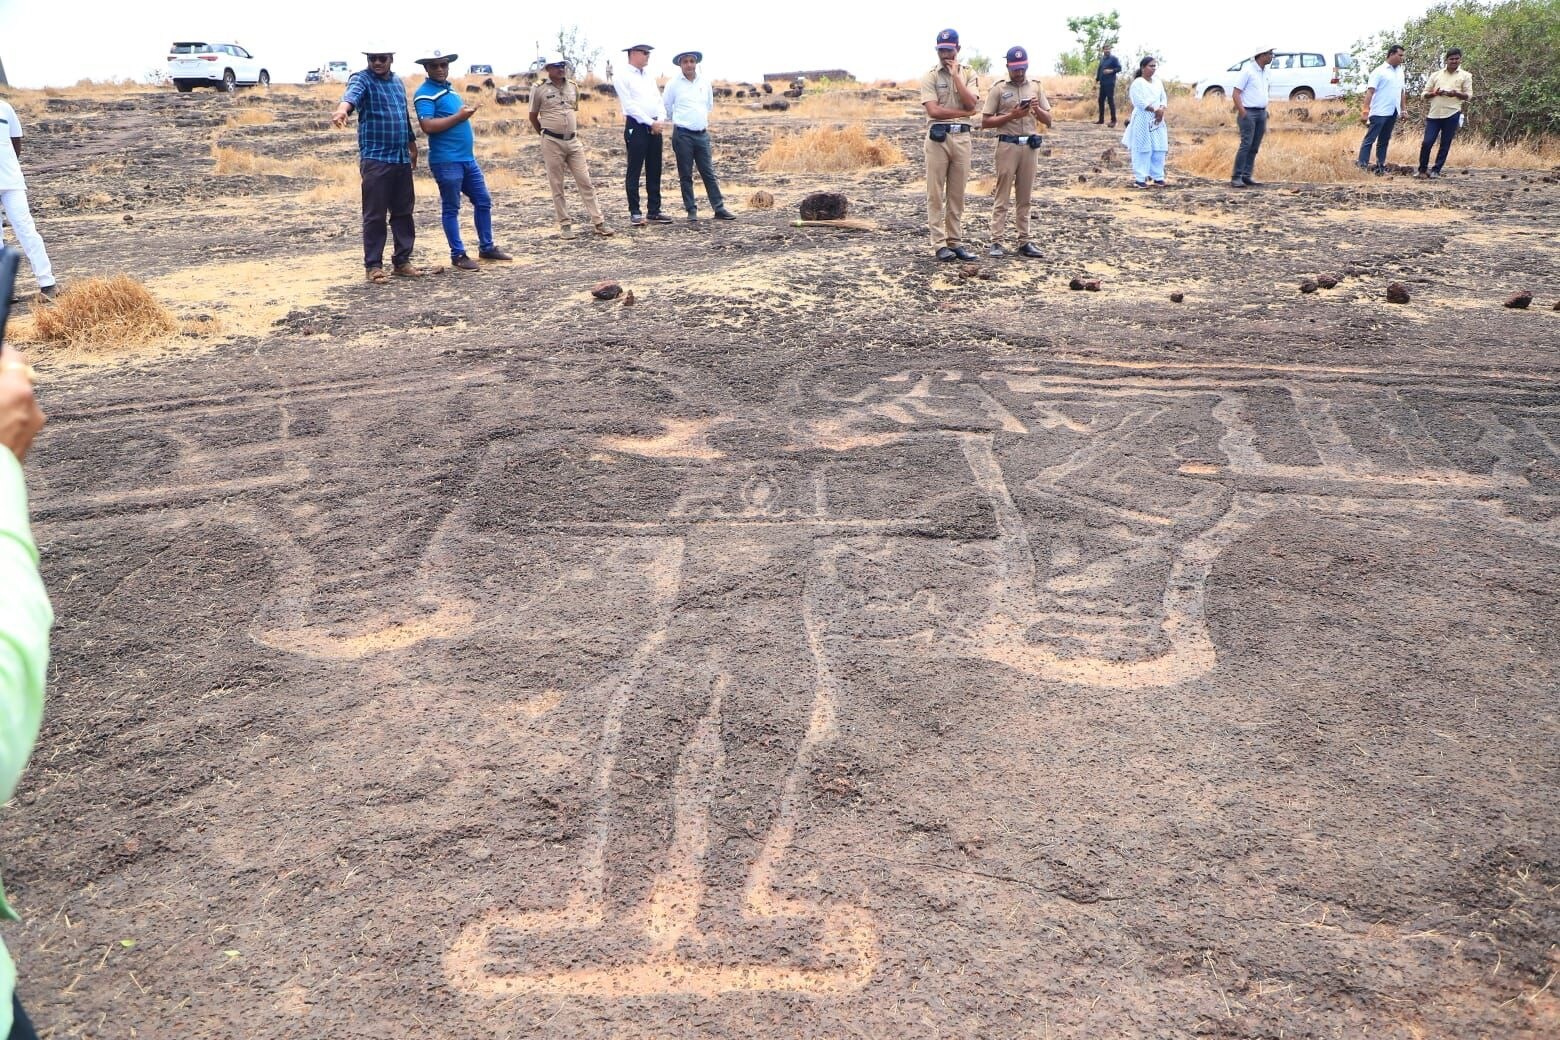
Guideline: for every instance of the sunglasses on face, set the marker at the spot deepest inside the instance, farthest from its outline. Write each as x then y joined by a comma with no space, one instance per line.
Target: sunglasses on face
375,59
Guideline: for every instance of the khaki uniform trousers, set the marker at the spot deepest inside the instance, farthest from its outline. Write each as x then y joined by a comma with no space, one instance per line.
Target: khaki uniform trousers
1016,166
947,171
559,156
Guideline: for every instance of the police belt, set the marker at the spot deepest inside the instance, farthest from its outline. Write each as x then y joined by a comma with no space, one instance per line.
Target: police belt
1032,140
560,137
952,128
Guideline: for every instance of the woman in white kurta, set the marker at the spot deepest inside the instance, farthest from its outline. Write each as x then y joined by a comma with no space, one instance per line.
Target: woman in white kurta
1146,136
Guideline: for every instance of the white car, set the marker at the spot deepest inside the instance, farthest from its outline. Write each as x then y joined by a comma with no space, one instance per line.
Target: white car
220,65
1295,75
335,72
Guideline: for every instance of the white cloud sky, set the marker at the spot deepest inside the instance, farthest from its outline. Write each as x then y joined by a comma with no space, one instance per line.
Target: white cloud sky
60,42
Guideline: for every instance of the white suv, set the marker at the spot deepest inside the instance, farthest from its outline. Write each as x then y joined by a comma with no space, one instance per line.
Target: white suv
220,65
1293,76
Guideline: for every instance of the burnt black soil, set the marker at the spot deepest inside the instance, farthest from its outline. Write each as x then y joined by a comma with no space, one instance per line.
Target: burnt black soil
825,645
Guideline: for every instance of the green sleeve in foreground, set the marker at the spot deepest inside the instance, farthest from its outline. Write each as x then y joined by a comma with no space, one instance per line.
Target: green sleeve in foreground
25,618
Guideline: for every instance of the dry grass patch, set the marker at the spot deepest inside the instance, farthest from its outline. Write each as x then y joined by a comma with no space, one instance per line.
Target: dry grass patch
828,149
250,117
1329,157
334,180
102,313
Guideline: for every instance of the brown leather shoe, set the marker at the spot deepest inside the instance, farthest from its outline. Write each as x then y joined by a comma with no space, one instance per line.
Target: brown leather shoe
603,230
494,254
408,271
465,263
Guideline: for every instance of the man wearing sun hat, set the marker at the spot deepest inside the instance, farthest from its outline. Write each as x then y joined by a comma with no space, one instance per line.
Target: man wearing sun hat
387,155
948,93
554,103
689,99
644,120
1250,98
1017,106
452,160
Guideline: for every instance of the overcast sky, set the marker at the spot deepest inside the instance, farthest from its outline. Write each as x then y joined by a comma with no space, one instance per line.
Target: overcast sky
56,43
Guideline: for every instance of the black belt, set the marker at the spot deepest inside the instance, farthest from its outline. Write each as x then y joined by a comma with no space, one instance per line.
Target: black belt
952,128
1256,108
685,130
1015,138
561,137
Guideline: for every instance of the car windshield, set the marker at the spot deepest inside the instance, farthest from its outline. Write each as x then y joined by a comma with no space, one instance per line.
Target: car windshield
191,48
1343,61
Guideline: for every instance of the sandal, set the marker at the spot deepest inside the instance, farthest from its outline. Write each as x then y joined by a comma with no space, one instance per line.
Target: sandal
377,275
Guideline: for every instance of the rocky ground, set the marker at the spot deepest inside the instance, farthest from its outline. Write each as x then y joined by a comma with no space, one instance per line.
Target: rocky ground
831,643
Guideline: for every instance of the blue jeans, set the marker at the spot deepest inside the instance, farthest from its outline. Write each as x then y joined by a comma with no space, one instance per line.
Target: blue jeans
692,148
455,179
1379,134
1445,128
1253,127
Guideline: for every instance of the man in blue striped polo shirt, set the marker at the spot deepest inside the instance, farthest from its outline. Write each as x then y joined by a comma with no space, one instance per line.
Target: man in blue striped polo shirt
387,155
452,160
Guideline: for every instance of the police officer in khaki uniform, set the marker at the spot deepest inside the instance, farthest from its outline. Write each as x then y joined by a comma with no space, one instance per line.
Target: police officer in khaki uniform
949,95
553,106
1017,106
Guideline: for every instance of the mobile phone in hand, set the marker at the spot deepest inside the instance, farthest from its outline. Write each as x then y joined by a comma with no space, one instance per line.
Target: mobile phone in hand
9,258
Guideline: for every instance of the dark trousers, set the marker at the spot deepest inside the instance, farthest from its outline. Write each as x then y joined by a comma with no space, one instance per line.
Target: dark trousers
1108,97
1380,135
1445,128
1253,127
387,187
21,1025
692,148
644,154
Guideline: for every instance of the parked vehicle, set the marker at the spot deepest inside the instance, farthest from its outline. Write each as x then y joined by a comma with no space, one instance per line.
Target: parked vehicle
312,76
479,70
219,65
1295,75
336,72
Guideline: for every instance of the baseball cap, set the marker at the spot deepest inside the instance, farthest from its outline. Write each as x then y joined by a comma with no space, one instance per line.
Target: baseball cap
1017,57
948,39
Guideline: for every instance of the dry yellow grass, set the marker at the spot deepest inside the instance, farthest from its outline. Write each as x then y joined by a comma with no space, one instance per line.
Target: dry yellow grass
335,180
828,149
251,117
1328,156
102,313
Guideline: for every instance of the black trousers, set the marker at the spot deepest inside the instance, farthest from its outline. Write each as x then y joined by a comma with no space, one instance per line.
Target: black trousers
387,187
21,1025
1108,97
644,155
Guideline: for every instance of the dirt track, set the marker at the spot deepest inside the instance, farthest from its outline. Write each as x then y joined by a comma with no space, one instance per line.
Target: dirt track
825,646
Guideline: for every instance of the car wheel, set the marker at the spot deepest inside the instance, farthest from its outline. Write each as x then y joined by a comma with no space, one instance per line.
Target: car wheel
1303,94
183,87
228,79
1214,92
265,79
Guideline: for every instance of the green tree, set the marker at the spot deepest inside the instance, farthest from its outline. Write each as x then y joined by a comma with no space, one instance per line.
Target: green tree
1091,32
979,62
1512,48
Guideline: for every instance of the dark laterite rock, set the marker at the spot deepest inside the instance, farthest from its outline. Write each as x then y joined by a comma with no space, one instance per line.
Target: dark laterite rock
1397,293
607,291
1519,301
825,205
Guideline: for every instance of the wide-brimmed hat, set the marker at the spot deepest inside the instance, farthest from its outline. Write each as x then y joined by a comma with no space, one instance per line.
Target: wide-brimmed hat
556,59
1261,50
438,56
697,56
638,47
385,50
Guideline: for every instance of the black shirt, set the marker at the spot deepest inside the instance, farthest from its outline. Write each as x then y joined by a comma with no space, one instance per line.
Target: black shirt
1109,67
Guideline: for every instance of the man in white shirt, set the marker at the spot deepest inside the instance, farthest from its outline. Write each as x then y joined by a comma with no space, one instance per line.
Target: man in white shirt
1251,114
13,199
688,101
1384,99
644,120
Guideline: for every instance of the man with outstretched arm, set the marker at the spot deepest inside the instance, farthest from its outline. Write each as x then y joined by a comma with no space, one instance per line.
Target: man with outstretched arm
387,157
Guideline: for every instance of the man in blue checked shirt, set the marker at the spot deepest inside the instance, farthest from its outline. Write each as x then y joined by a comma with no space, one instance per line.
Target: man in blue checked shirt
387,155
452,160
